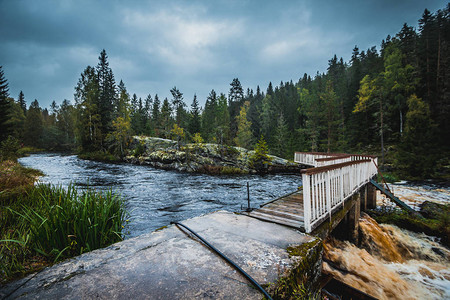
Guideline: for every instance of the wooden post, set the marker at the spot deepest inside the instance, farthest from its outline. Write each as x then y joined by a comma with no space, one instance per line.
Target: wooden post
307,201
353,219
371,196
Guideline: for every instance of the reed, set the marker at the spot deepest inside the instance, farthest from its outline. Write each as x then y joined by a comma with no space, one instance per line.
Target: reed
49,223
69,222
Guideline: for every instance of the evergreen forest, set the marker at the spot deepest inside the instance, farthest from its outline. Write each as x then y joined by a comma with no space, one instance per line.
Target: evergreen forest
393,102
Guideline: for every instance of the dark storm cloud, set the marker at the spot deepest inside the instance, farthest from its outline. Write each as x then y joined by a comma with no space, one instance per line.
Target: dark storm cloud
195,45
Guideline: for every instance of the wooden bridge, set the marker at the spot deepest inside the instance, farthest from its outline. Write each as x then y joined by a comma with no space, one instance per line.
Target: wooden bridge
327,187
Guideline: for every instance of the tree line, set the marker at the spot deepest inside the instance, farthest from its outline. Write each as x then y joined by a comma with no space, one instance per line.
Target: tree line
393,102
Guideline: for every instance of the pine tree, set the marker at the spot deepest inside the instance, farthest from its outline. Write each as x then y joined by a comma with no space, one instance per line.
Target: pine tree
260,159
123,103
371,93
147,113
332,116
236,93
34,125
178,106
244,137
281,137
156,115
416,156
66,124
88,121
222,132
5,107
16,120
166,120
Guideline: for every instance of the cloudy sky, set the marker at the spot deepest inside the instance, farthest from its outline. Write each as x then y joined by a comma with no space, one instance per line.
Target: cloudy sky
194,45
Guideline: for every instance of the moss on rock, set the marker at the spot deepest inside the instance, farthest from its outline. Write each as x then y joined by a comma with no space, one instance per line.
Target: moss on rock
302,280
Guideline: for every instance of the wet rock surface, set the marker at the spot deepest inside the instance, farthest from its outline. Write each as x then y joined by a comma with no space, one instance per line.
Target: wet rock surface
170,264
203,158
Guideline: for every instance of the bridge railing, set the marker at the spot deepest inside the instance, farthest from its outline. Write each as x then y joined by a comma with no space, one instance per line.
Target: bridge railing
320,162
310,158
326,188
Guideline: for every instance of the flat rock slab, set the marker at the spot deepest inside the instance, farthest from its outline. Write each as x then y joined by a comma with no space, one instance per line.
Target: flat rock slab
171,264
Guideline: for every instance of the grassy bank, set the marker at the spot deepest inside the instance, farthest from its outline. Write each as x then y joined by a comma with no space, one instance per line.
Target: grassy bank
42,224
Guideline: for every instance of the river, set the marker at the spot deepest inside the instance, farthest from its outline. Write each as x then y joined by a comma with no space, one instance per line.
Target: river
391,264
154,197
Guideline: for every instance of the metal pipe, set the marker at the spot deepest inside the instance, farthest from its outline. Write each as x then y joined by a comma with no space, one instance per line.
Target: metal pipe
253,281
248,197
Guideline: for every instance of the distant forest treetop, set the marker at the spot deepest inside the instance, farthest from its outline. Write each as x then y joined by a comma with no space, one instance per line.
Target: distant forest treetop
394,101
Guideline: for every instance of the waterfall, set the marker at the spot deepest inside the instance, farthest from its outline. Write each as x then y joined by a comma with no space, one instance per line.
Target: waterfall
391,263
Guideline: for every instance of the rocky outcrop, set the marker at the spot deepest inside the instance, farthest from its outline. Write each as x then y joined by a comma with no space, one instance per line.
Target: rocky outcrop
201,158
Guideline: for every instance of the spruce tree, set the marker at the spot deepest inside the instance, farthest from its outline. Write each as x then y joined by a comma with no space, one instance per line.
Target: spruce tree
148,122
166,120
235,101
244,137
195,122
34,125
209,117
107,92
88,121
22,102
156,115
222,131
5,107
178,106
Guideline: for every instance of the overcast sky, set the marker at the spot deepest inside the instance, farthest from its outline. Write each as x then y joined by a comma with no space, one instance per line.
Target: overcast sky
194,45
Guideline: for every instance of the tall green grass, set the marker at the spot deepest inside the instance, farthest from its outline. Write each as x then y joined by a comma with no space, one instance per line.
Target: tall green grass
53,223
69,222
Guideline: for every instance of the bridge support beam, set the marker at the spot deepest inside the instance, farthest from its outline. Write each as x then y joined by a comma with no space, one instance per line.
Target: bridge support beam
353,218
371,196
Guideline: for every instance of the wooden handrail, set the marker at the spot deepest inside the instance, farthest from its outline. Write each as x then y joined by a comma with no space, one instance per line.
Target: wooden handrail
332,167
323,153
333,158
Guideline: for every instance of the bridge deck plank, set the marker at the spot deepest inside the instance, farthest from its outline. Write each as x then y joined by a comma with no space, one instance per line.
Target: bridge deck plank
286,210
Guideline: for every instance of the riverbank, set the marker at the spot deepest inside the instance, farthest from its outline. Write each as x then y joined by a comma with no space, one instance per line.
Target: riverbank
42,224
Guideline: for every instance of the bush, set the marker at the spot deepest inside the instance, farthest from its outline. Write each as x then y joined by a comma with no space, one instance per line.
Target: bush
9,149
260,159
140,149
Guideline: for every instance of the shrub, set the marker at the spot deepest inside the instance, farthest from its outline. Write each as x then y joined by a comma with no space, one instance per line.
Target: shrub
260,159
9,149
140,149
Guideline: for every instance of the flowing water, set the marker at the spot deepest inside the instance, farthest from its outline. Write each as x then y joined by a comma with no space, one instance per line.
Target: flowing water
414,194
156,197
391,263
